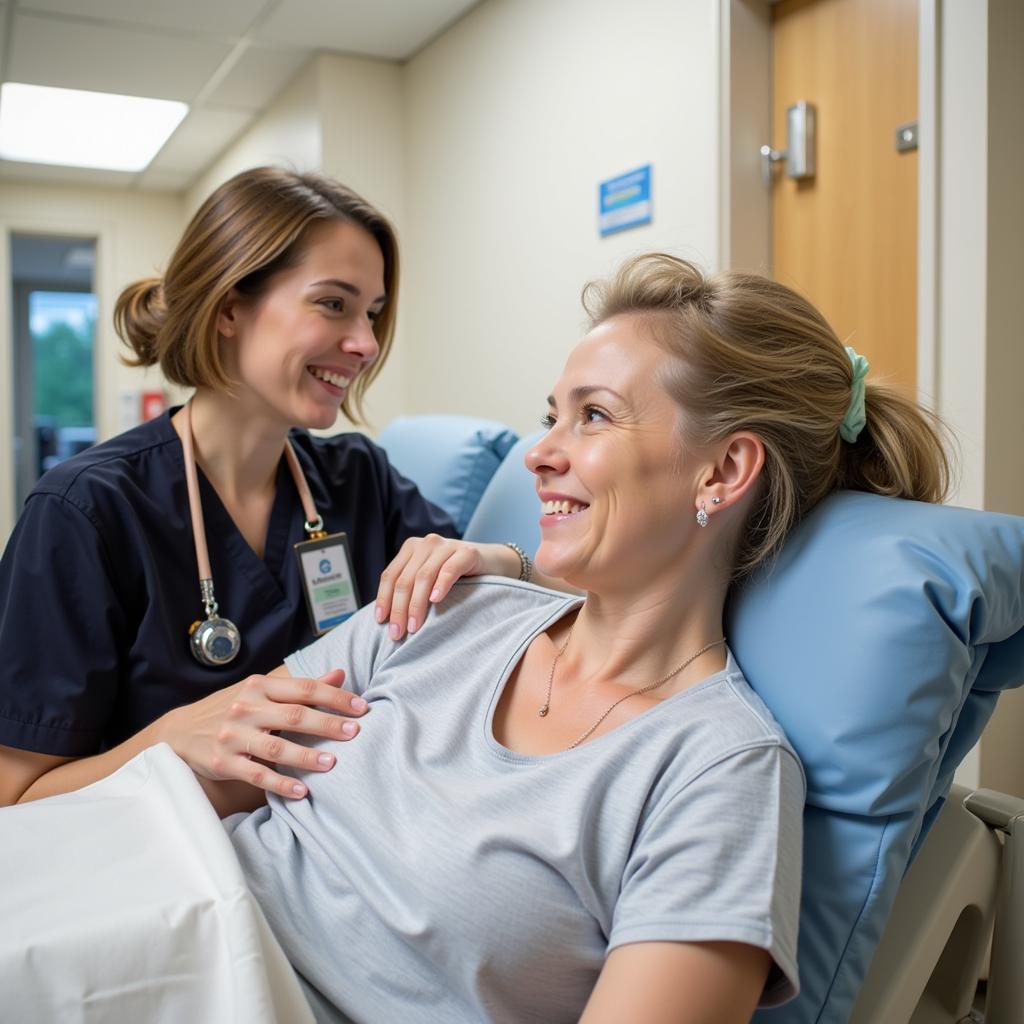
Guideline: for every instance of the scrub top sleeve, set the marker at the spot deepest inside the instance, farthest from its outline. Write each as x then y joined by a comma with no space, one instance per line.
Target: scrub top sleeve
407,512
62,629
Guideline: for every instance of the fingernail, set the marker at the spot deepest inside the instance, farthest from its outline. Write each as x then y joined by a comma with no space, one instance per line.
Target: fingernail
358,704
378,613
435,594
349,729
394,630
412,624
299,790
325,759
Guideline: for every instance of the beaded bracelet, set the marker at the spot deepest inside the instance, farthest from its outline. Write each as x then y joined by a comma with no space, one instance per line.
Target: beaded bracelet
525,562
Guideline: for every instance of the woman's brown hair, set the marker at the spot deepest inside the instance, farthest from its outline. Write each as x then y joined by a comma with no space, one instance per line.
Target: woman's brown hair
251,228
753,355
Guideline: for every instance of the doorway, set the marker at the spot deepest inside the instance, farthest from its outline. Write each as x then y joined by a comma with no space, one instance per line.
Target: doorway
54,312
847,235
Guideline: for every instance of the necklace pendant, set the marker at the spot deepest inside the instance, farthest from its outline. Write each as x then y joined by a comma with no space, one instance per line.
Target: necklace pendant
542,710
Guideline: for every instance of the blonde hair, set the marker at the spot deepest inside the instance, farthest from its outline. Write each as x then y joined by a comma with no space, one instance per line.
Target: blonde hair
251,228
752,355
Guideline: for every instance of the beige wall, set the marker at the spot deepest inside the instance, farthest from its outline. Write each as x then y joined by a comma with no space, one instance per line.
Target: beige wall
980,351
362,117
1002,753
514,117
287,133
135,234
960,266
962,262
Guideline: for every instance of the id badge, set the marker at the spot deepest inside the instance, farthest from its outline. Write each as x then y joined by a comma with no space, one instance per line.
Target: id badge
328,580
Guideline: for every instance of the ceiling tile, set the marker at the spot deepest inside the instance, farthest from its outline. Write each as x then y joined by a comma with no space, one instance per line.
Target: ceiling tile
199,138
221,17
75,55
379,28
258,77
46,174
153,180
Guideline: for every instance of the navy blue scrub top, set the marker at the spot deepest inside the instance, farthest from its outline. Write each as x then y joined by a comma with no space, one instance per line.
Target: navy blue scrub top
99,583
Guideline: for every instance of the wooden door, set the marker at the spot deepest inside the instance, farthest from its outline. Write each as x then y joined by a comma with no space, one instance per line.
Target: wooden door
847,238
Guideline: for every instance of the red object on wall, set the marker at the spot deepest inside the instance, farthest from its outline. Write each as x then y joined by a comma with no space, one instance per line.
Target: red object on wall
153,403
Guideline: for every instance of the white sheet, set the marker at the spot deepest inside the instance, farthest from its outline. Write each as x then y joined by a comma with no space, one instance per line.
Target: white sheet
124,902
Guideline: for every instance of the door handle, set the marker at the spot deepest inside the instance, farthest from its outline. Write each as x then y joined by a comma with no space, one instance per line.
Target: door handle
769,158
801,136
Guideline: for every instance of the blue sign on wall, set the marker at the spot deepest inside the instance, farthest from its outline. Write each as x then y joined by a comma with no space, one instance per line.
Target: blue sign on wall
625,201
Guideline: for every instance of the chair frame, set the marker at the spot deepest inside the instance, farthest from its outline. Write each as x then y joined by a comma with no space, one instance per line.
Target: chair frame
961,899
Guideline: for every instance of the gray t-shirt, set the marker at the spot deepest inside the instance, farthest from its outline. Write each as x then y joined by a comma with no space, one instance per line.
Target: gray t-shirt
435,875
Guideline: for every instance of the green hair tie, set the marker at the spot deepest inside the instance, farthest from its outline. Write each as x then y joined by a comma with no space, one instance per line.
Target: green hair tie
855,418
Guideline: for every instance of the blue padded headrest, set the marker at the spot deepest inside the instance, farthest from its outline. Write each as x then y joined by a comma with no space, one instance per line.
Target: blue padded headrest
509,509
879,640
451,458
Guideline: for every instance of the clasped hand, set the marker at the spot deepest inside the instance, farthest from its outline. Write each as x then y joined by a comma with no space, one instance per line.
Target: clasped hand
232,734
423,572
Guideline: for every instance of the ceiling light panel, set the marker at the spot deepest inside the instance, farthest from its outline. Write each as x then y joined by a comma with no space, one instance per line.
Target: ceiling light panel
74,128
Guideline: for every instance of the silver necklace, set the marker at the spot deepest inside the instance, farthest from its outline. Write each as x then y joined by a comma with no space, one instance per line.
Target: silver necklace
546,706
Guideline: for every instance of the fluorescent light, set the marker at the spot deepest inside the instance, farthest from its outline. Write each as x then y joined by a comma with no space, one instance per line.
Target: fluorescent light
74,128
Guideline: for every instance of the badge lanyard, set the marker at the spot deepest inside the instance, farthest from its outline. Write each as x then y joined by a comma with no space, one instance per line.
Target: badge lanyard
324,566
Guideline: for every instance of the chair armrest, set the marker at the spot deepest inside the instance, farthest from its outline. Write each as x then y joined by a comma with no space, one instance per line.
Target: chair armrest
1000,810
1004,1002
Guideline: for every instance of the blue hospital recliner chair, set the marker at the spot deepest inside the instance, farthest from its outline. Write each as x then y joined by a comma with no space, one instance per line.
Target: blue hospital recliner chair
451,458
880,639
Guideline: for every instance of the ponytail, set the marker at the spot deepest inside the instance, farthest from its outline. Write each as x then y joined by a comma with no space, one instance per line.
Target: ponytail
900,452
139,316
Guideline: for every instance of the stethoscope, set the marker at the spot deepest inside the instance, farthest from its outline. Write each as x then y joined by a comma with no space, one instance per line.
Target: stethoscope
215,640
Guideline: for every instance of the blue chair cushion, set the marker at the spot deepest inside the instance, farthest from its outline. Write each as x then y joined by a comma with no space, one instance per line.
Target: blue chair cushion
451,458
880,640
509,509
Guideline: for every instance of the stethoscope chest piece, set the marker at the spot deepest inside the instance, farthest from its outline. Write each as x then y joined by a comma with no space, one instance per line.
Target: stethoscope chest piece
215,641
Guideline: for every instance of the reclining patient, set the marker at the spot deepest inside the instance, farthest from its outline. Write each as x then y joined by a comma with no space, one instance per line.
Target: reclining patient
561,806
574,808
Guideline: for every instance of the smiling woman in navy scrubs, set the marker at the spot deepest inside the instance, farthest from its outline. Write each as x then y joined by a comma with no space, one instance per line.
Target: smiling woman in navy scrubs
278,308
